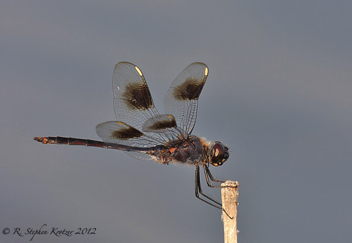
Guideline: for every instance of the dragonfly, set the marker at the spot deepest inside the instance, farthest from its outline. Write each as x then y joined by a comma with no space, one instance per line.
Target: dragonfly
144,133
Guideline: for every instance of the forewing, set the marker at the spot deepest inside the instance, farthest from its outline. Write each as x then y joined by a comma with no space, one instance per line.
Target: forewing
181,100
133,103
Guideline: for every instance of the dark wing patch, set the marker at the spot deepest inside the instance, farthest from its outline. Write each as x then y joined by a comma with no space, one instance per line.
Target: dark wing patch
189,90
159,123
137,96
125,133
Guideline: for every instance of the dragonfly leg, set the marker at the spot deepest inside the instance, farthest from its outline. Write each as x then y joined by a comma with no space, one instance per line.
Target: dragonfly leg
198,190
209,175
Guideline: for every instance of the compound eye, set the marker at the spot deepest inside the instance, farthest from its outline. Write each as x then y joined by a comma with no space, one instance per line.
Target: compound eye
219,154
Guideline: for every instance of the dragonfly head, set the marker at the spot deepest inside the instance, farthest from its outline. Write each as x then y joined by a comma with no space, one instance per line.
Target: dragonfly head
218,153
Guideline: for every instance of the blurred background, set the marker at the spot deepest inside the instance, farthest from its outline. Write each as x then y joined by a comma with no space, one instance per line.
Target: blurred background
278,94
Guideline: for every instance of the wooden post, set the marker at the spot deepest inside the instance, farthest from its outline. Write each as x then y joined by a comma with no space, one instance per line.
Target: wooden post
229,195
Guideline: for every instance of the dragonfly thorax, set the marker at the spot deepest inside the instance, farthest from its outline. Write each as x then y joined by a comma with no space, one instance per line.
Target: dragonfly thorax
187,151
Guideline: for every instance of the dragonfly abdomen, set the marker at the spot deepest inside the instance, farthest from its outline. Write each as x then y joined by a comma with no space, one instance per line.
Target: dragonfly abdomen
94,143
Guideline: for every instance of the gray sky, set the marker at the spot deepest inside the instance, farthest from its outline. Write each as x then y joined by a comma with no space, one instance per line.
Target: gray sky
278,94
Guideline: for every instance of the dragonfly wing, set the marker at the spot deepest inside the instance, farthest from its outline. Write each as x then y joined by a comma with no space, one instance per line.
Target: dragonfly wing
181,100
133,103
121,133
